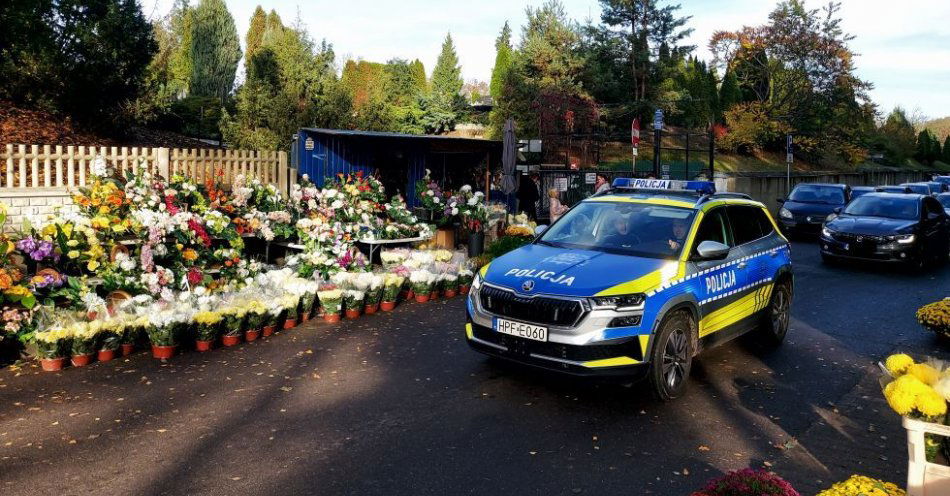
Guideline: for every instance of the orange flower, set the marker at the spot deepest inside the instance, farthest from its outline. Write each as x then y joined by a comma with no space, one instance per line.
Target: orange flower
5,280
189,255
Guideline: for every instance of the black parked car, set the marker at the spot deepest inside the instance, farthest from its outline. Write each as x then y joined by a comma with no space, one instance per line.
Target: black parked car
942,179
902,189
937,187
809,204
857,191
888,227
944,199
918,188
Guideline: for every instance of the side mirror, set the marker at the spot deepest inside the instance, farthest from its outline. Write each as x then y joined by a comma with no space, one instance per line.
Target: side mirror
780,200
712,250
540,230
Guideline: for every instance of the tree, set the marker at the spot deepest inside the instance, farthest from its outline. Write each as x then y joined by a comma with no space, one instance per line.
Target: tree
898,139
419,76
169,72
447,77
729,92
945,155
215,50
255,32
502,61
928,148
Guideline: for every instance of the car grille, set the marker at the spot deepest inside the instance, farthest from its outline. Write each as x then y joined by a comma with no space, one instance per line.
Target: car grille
539,309
858,238
521,346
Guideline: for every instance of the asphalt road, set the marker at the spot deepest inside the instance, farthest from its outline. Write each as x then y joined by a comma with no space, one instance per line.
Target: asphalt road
398,404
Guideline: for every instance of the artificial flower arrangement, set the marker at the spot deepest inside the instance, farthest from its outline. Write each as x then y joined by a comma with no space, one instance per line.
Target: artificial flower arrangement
858,485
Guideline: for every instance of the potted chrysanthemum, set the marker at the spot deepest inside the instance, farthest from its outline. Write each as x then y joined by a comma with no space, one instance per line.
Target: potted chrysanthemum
307,300
209,325
353,302
465,281
85,337
52,346
273,319
374,294
233,320
450,284
289,302
331,300
255,317
162,333
421,281
391,288
110,338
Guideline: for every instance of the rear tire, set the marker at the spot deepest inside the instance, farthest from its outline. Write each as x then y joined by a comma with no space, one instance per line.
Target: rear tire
672,356
773,330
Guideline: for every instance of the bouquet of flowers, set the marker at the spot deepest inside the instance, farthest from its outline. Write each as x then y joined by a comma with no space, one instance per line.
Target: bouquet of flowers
162,328
918,391
474,212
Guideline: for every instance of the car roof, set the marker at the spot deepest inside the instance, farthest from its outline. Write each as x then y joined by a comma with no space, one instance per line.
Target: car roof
836,185
671,199
862,188
883,194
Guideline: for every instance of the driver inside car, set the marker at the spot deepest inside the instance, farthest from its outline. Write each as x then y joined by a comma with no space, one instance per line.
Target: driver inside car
617,230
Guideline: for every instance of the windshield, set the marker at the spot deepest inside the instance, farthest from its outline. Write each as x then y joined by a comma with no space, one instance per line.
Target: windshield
944,200
638,229
895,207
813,193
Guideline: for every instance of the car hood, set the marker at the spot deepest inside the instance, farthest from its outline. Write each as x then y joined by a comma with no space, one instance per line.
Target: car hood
568,272
877,226
799,208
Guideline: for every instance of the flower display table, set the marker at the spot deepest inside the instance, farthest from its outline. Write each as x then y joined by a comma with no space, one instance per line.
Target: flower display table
924,478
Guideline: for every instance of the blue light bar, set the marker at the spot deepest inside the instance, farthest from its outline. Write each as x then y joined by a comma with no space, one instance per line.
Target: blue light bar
701,187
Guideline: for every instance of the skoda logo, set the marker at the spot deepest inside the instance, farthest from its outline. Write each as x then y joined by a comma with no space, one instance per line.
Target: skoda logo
860,239
527,285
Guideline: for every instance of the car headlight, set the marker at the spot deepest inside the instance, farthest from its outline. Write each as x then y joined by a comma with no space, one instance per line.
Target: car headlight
477,282
619,302
905,239
785,213
832,216
826,232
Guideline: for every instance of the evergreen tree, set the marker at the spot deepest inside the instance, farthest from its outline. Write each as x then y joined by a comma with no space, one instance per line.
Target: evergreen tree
419,76
215,50
447,77
924,152
729,92
502,61
945,155
255,33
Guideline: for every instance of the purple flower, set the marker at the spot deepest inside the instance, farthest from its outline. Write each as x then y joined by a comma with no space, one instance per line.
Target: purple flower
44,250
26,245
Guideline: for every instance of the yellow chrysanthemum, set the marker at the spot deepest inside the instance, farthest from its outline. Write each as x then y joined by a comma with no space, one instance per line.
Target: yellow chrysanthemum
897,364
931,404
927,374
900,400
92,265
911,384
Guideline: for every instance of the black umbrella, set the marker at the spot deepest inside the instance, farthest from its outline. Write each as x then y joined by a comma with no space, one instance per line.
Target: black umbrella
509,154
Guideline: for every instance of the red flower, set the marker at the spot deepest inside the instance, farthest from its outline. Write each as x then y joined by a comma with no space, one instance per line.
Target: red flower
359,174
200,232
172,209
194,276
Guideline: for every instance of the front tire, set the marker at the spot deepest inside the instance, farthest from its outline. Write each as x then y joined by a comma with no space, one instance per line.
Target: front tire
778,314
672,356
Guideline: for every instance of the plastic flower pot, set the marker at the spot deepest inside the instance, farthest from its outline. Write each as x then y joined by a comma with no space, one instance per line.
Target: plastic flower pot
203,345
305,316
290,323
331,317
422,298
352,313
81,360
434,295
231,340
450,293
268,330
127,348
464,289
408,295
387,306
252,335
163,352
105,355
53,364
371,309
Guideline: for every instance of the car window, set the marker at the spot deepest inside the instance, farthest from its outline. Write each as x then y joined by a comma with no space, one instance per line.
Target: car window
887,206
813,193
932,206
748,223
944,200
715,227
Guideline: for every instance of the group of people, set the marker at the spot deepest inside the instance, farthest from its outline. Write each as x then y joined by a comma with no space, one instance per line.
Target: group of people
530,196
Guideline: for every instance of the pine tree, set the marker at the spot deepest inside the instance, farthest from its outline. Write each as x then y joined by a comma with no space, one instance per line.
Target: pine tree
447,77
255,33
945,156
502,62
729,92
419,76
215,50
924,151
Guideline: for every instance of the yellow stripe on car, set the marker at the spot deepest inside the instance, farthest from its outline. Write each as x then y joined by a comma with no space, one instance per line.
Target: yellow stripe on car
611,362
468,331
652,201
735,311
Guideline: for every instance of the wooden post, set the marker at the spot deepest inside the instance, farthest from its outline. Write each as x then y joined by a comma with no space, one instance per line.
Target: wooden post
161,162
283,183
9,183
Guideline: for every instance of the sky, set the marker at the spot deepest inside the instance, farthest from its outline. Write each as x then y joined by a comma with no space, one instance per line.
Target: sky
903,47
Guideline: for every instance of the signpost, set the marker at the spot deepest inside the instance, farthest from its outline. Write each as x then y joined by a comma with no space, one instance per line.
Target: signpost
635,141
789,157
657,137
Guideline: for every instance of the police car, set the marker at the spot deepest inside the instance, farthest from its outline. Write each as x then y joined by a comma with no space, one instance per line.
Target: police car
634,282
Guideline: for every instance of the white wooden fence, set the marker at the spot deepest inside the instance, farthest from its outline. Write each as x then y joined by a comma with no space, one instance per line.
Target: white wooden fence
38,179
48,166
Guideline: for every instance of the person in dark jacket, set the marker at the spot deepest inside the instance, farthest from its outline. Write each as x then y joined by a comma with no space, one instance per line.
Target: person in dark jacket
528,196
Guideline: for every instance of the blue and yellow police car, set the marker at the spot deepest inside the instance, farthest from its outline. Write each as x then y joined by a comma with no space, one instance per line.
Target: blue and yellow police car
634,282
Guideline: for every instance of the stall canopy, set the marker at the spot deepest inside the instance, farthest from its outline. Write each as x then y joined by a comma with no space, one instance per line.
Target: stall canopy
399,160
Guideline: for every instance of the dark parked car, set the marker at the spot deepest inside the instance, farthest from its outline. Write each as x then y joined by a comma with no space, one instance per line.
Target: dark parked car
942,179
944,199
857,191
893,189
918,188
809,204
888,227
937,187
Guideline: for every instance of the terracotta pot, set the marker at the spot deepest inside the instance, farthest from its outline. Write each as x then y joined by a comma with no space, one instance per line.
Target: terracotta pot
269,330
105,355
231,340
464,289
163,352
352,313
290,323
408,295
331,317
203,345
252,335
371,309
305,316
434,295
53,364
421,298
81,360
387,306
127,348
450,293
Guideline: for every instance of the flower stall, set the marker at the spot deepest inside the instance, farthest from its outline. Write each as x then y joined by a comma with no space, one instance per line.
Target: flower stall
168,264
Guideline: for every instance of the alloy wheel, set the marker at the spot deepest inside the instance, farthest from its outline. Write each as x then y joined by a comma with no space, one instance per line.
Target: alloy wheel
675,358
